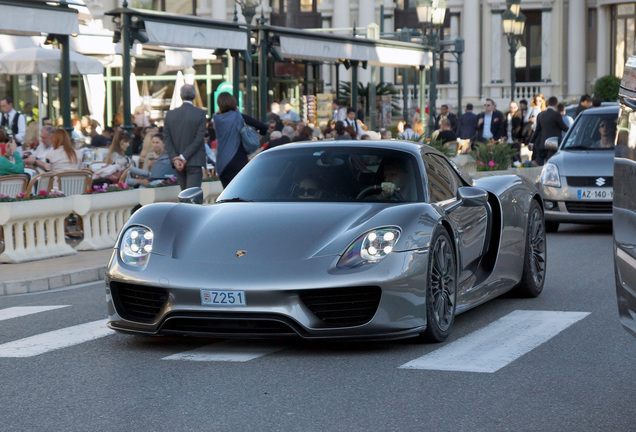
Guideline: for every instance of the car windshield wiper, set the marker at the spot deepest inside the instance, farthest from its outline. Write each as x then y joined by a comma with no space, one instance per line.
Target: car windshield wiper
583,147
235,199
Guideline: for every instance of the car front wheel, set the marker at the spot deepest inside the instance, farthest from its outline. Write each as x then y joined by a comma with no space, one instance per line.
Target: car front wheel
534,263
441,294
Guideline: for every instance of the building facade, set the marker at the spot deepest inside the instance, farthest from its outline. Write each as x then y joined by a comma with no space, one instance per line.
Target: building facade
567,45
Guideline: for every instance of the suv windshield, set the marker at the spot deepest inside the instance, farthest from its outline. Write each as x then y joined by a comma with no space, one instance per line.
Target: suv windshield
592,132
313,173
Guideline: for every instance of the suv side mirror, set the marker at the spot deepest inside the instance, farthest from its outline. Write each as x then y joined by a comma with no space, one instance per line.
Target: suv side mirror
552,144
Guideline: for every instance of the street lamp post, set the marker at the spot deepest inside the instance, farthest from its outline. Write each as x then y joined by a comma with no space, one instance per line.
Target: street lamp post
431,14
513,26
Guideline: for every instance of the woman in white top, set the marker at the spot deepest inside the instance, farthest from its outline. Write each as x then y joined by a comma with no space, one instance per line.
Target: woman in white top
63,157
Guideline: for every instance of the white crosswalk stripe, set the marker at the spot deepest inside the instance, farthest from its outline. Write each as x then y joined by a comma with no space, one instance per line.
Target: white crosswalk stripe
19,311
54,340
499,343
231,351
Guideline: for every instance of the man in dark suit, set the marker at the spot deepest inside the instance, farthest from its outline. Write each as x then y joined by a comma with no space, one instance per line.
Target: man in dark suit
444,112
184,134
467,125
490,123
549,124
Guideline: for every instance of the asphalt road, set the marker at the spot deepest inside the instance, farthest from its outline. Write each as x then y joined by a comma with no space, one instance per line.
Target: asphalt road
581,379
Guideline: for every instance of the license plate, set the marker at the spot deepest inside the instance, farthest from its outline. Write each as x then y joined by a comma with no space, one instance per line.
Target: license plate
595,194
222,297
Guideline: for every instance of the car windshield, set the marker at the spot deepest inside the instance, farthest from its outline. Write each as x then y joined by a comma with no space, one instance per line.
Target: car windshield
328,174
592,132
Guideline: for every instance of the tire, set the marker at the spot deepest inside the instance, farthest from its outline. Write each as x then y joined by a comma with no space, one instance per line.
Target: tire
534,262
441,289
551,227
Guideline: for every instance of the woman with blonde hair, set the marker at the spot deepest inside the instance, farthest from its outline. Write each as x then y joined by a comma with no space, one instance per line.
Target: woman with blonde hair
63,157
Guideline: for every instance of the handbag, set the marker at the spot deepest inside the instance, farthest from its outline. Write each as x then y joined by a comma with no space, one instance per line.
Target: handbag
249,139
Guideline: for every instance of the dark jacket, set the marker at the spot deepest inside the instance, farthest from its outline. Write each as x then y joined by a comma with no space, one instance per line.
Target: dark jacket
451,117
184,134
549,124
496,125
467,125
517,126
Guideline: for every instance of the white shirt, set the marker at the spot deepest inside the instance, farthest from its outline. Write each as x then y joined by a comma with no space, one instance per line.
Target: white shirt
340,114
487,122
19,137
354,124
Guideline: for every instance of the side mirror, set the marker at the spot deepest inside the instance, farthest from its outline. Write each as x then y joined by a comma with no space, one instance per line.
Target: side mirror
472,196
469,196
192,195
552,144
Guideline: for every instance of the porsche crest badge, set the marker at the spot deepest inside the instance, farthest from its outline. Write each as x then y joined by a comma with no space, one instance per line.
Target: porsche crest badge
240,254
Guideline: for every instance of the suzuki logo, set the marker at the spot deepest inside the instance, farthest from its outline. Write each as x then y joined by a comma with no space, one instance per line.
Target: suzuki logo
600,181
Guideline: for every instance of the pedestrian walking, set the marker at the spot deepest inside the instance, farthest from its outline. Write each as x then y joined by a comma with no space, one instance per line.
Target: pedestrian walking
228,121
467,125
549,124
490,123
184,136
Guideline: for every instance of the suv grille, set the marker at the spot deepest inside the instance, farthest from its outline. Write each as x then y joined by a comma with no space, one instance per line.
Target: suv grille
589,181
343,306
589,206
138,303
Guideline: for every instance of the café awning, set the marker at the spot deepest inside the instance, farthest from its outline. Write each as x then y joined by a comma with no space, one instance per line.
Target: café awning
184,31
29,17
308,45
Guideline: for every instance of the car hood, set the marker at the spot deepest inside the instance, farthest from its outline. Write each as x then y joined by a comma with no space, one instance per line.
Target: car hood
264,232
579,163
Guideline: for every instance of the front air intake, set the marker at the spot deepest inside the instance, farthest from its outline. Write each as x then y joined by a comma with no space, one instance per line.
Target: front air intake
138,303
344,307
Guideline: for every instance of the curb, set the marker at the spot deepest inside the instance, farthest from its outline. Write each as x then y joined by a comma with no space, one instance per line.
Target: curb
53,282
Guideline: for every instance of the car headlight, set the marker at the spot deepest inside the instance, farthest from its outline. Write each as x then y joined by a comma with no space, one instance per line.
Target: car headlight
136,245
370,247
550,176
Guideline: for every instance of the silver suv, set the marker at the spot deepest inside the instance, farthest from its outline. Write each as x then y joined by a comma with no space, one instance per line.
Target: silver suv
577,182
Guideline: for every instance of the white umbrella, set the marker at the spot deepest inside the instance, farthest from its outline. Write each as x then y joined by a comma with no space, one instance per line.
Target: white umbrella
37,60
176,94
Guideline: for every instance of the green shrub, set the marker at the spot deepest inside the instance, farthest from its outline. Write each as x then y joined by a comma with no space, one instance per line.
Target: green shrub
492,156
607,87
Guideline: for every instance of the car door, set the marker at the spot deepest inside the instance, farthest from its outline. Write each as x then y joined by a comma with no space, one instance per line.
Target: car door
471,223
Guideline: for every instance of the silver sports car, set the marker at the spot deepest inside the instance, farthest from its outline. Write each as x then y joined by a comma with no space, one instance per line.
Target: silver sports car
329,240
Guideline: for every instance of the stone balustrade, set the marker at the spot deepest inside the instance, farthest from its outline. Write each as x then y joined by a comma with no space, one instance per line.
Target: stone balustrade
35,229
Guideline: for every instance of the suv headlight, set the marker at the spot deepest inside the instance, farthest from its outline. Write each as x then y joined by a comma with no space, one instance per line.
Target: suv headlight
136,245
370,247
550,176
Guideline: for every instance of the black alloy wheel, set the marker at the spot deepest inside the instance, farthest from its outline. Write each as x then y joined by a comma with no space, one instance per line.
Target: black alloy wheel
441,295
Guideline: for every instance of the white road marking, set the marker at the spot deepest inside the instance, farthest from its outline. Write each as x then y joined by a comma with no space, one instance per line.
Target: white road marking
499,343
233,351
19,311
54,340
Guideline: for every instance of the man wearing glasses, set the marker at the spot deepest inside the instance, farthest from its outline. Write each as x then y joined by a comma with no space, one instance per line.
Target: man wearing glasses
490,123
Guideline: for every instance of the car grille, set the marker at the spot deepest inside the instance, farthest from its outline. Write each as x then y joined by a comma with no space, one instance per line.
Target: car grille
138,303
589,206
343,306
589,181
227,324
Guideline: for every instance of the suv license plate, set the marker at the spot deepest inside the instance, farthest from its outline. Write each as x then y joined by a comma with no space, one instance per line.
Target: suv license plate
594,194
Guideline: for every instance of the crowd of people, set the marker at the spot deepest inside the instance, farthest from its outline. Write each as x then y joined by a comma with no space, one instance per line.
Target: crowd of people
189,141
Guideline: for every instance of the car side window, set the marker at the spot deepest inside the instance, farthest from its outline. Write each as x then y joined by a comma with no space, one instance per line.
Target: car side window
442,180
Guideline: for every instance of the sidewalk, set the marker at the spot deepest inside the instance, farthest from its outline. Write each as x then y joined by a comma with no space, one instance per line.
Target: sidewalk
44,275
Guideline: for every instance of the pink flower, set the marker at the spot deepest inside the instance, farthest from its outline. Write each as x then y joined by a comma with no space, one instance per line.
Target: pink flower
42,192
491,163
